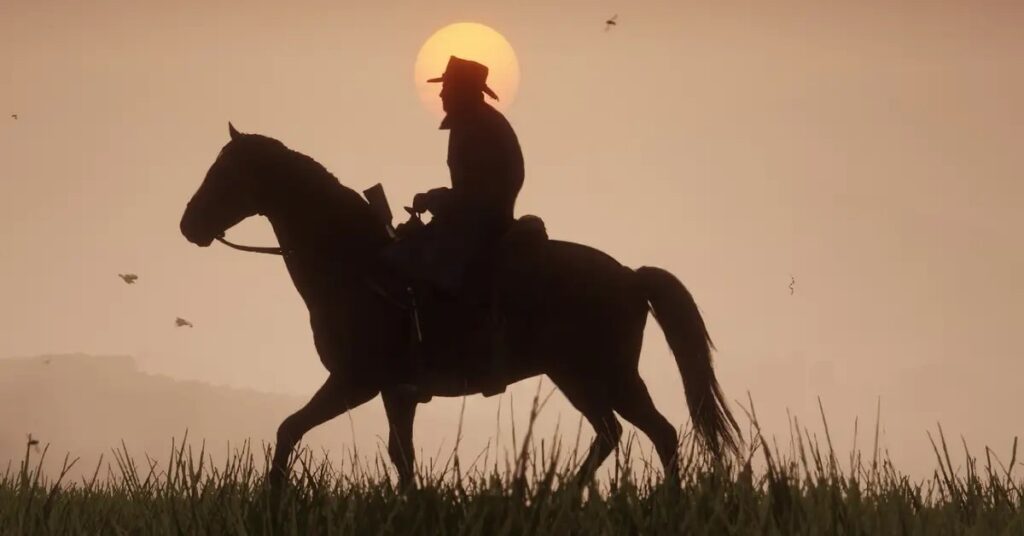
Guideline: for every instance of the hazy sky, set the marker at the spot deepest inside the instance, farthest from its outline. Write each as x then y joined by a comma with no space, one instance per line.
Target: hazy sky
871,149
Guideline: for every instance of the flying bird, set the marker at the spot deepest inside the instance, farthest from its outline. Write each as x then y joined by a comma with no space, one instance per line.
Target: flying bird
14,116
611,22
792,282
181,322
128,278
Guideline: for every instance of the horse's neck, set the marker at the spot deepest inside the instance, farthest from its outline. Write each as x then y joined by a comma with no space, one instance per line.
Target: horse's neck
315,215
307,220
330,242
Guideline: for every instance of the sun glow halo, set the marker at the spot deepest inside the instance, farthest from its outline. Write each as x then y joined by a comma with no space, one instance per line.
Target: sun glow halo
471,41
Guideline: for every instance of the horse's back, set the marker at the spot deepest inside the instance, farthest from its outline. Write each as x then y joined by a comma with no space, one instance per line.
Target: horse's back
568,304
557,273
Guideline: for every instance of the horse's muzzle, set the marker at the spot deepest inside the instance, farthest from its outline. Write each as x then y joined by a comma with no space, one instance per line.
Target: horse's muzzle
193,232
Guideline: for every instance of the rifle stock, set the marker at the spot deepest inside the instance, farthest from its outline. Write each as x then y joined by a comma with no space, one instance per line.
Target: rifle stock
379,205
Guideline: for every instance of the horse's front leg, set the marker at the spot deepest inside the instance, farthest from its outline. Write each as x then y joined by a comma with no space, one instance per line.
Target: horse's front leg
332,399
401,411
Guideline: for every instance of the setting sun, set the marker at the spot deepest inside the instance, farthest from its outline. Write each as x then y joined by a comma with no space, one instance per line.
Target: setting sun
471,41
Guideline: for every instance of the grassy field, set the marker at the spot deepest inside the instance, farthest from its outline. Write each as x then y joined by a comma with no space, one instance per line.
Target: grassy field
805,490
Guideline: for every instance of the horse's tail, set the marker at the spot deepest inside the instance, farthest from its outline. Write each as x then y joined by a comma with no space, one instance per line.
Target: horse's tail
687,336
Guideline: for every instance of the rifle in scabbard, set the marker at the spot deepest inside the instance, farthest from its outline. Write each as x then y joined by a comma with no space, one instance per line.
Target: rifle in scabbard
379,205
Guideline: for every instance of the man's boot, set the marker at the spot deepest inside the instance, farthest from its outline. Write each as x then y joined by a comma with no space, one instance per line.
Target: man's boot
416,388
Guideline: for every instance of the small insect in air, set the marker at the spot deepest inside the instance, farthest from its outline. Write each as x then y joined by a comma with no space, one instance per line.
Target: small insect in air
128,278
32,442
792,283
611,22
181,322
14,117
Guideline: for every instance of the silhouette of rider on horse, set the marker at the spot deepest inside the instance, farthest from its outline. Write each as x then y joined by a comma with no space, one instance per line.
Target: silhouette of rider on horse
455,253
486,166
566,310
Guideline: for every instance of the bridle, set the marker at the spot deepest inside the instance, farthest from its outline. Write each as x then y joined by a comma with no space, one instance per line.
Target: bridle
373,285
285,252
255,249
368,282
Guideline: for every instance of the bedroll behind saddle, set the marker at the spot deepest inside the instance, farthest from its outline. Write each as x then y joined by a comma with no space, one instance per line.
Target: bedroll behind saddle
526,230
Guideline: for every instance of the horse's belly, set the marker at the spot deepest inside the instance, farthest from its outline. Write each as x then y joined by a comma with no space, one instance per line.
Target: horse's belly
330,341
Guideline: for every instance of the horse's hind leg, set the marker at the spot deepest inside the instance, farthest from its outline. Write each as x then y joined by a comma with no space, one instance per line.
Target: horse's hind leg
332,399
633,403
592,401
401,411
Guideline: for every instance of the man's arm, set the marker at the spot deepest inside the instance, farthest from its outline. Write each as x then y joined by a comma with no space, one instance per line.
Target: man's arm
482,179
434,201
487,172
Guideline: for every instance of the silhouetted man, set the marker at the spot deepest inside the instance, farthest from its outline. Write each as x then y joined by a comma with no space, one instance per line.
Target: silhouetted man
486,166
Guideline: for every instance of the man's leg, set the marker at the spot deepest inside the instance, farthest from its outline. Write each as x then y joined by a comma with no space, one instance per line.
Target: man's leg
494,378
443,255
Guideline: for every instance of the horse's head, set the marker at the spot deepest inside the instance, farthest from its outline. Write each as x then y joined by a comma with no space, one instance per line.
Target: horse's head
232,191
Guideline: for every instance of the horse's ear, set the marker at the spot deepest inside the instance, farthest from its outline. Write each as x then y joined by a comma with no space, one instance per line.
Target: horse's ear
231,130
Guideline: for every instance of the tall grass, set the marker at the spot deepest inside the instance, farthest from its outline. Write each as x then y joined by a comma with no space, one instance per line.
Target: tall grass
805,489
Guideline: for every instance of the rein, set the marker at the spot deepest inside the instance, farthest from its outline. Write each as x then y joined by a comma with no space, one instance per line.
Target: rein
254,249
376,288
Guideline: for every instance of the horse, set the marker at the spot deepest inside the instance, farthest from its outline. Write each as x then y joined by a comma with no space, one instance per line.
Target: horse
570,312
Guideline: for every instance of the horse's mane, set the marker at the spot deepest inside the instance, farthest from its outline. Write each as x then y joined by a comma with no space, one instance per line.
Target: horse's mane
299,172
301,169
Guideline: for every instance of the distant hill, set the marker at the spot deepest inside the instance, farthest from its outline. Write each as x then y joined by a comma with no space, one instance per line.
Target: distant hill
87,405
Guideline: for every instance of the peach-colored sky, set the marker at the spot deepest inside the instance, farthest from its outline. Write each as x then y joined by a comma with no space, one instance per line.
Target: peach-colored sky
872,150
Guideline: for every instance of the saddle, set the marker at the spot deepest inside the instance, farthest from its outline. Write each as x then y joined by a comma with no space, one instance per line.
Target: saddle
449,335
527,230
